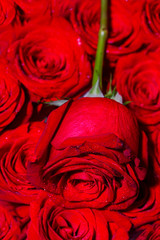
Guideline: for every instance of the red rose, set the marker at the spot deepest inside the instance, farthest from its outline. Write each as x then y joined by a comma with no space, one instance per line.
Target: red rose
17,148
12,98
88,164
137,80
50,61
48,221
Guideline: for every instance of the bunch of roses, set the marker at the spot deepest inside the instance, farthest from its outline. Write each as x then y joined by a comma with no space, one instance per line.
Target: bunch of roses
90,168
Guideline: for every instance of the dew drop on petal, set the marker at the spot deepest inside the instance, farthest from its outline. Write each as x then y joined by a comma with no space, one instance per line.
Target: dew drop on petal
79,41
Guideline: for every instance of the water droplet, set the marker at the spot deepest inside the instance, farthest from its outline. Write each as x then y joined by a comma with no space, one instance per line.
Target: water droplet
79,41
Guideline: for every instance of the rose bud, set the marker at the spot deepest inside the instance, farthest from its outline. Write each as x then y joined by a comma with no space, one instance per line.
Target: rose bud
88,155
49,221
50,61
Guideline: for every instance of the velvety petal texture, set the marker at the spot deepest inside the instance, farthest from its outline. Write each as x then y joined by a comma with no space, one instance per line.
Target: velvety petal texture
7,13
16,150
49,221
12,97
9,228
137,80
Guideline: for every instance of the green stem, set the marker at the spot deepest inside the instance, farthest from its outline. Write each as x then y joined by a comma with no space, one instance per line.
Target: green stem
102,37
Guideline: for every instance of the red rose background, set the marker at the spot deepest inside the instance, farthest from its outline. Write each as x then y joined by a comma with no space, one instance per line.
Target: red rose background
71,166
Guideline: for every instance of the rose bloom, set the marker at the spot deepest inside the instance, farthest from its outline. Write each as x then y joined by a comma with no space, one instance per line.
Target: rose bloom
87,154
50,61
137,80
17,148
49,221
124,32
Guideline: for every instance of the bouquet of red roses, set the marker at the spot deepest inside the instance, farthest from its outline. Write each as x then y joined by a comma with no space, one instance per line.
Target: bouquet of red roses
79,120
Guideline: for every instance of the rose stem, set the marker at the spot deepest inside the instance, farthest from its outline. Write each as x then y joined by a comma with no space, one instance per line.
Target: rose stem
102,37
